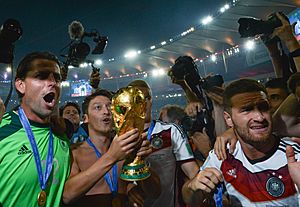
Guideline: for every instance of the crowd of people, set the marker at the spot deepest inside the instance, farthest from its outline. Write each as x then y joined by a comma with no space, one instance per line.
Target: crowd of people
248,154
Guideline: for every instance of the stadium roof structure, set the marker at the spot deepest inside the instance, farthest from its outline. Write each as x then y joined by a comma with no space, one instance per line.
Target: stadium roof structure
201,40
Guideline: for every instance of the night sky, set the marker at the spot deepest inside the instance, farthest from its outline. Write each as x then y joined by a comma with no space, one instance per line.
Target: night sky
128,24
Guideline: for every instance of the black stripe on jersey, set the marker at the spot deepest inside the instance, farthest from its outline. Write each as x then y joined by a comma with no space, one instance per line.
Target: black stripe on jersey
179,128
25,147
283,144
6,116
283,149
295,145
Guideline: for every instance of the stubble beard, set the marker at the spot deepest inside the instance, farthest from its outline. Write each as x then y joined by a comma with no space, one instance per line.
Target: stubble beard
249,138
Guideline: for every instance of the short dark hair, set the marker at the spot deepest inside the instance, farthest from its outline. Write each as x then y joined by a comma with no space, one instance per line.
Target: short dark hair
98,92
25,64
174,112
277,83
293,82
240,86
75,105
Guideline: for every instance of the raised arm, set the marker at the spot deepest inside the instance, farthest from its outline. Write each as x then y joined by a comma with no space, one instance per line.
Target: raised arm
286,118
286,35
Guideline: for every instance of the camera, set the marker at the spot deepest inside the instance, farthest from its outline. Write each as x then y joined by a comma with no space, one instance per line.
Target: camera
250,27
10,32
185,68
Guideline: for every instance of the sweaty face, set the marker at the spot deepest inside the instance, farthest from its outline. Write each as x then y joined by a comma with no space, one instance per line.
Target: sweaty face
251,117
40,89
99,117
71,113
276,97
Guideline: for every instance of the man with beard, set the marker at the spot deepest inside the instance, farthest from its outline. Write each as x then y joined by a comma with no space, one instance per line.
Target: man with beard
34,158
257,171
97,162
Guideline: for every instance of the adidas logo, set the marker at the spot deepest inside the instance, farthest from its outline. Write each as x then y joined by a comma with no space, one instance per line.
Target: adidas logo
24,150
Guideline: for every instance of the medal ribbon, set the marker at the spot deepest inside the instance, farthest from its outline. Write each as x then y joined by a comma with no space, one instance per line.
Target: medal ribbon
218,196
111,182
43,177
150,130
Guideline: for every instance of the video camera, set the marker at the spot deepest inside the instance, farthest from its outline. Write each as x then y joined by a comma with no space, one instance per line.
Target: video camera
250,27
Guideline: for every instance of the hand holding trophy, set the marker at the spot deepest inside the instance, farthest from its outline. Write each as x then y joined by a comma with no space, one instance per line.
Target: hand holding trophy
128,108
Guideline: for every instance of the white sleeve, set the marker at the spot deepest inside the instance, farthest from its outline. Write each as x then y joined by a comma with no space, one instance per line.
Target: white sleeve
211,161
180,145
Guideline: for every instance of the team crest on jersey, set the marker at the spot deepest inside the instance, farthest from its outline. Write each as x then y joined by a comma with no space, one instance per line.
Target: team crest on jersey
157,142
275,186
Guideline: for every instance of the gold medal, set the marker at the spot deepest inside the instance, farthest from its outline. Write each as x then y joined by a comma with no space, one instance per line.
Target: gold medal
116,202
42,197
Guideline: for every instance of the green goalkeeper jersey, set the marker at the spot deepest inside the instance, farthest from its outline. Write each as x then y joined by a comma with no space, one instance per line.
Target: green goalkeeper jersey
19,183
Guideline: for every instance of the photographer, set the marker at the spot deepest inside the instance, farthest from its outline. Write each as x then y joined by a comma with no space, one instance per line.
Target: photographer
286,34
274,31
203,96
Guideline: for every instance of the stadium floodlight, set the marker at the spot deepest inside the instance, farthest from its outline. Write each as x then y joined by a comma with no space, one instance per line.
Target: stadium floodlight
213,57
131,54
98,62
207,20
250,45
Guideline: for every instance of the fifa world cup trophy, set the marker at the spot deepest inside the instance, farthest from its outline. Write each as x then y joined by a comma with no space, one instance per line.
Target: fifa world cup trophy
128,108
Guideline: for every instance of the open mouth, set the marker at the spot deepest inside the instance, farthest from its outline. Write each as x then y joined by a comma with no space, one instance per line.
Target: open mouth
259,128
106,120
49,97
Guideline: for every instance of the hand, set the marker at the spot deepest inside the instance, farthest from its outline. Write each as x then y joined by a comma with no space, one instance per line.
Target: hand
206,180
296,139
177,81
221,142
284,32
136,197
202,142
124,144
145,149
95,78
293,165
63,73
193,108
2,109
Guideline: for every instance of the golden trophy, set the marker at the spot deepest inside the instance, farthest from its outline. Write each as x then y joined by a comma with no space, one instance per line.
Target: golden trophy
128,108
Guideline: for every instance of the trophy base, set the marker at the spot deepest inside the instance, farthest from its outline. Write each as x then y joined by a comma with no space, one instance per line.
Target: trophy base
135,172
